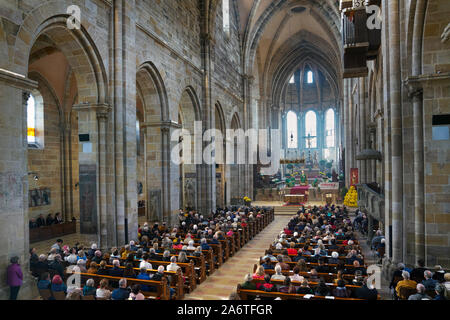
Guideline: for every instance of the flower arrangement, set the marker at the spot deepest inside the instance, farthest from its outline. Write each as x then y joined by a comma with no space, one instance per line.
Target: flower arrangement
247,199
351,198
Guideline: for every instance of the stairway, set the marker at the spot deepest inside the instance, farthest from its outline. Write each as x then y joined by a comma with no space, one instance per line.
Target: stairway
286,211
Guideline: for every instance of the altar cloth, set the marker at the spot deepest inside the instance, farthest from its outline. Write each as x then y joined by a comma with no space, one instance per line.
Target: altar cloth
299,189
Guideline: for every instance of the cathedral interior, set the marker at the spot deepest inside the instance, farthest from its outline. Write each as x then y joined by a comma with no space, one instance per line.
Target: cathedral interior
98,98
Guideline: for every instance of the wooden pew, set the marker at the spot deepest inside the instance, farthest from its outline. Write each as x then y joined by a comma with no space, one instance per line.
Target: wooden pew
162,288
187,270
244,294
311,284
177,279
209,256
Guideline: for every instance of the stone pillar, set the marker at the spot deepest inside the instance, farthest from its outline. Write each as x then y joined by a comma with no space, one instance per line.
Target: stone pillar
362,128
66,134
416,92
95,217
346,131
105,234
124,92
14,94
419,183
207,195
118,120
398,242
248,168
162,175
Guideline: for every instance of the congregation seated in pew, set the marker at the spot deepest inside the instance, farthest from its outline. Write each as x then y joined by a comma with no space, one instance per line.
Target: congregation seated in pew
168,251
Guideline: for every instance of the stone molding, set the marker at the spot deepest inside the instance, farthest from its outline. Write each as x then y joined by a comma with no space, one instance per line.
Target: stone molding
164,125
102,109
17,80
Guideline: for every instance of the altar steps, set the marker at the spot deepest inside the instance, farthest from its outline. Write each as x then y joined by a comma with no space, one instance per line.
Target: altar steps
286,211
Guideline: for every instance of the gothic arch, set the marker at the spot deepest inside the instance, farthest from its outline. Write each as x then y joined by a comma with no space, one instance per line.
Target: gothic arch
77,46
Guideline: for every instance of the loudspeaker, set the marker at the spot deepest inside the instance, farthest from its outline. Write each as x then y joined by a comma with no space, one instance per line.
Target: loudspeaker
84,137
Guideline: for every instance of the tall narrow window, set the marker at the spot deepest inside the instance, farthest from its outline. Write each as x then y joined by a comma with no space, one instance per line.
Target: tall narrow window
310,77
330,128
311,130
292,130
31,120
292,79
226,16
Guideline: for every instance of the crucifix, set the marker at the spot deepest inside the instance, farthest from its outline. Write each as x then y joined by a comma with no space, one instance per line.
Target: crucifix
309,138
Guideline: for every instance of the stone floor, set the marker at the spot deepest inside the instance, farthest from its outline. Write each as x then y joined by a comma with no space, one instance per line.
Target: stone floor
225,280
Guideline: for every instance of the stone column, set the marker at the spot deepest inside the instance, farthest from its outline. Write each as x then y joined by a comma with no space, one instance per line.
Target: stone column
207,180
14,94
106,221
94,215
346,131
419,183
416,92
248,168
396,132
162,175
66,134
362,128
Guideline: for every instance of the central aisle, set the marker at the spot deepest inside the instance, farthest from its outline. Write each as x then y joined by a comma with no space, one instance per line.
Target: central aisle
225,280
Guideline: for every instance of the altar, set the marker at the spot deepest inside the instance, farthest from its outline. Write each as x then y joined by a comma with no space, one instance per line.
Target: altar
296,195
298,199
299,190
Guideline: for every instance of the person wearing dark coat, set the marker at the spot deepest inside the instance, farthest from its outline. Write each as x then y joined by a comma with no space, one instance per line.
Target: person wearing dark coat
417,274
365,293
116,271
34,259
41,266
122,293
40,221
50,220
57,266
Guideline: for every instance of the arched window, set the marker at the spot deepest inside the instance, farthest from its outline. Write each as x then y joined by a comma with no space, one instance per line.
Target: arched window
310,77
35,121
292,79
311,130
291,120
330,128
226,16
31,119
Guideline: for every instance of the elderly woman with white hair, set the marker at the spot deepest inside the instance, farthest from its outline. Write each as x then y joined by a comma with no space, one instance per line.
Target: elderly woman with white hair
405,284
191,245
278,275
89,288
72,258
173,264
334,258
